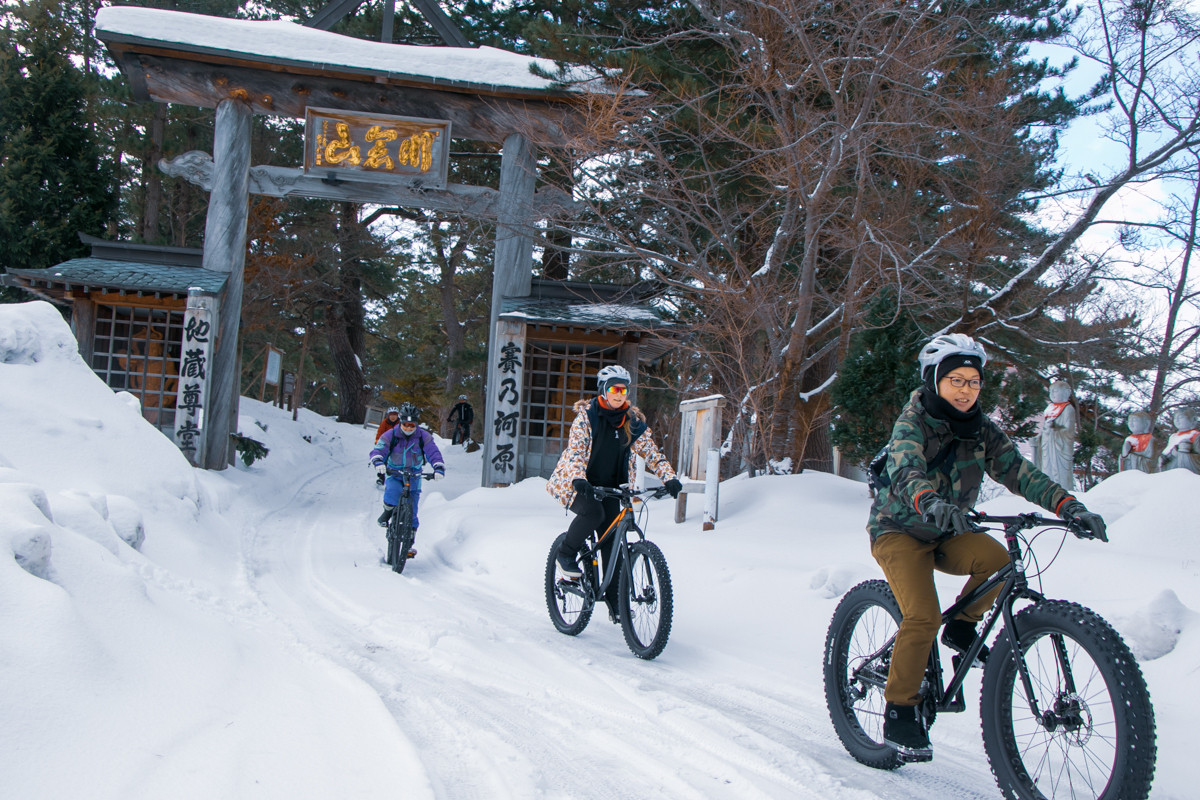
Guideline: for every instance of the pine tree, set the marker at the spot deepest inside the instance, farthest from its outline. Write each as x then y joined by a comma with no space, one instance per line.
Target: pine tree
874,382
54,182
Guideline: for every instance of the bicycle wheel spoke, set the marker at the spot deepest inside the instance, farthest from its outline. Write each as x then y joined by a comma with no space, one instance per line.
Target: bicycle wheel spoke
566,601
1093,733
856,671
645,600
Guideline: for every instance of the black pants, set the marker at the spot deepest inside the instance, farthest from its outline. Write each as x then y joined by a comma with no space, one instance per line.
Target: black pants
594,515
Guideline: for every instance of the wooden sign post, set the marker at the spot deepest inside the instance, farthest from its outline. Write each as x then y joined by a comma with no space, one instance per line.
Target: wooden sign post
699,455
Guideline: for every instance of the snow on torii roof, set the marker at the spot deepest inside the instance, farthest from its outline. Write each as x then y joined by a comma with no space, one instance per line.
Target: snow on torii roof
484,70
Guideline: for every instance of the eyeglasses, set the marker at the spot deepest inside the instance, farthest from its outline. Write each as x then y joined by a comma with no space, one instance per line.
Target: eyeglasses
958,383
618,389
408,424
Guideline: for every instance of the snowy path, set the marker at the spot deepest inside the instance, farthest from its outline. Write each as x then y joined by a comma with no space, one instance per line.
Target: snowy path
496,703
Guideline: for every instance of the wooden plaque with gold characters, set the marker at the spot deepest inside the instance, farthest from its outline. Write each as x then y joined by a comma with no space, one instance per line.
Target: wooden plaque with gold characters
376,147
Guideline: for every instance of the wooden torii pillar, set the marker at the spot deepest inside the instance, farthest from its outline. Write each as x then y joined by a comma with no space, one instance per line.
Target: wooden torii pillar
171,56
225,251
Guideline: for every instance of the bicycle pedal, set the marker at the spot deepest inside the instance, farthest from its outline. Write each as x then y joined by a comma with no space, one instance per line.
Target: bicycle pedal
910,755
959,703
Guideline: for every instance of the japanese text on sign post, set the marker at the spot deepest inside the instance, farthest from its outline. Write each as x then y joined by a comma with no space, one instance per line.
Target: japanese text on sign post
508,409
190,404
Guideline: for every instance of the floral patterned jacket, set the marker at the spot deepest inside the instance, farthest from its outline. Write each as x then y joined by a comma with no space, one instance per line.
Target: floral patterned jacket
573,462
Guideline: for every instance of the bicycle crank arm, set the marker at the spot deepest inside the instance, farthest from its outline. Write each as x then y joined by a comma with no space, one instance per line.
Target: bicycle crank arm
572,587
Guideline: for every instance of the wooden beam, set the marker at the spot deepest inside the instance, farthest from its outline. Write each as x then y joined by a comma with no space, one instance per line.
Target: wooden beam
539,333
269,89
441,23
480,202
329,15
173,303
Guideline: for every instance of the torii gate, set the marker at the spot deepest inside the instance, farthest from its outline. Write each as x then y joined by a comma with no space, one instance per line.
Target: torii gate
241,67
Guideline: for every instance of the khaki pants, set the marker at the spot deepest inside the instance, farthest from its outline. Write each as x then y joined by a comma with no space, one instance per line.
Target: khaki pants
908,565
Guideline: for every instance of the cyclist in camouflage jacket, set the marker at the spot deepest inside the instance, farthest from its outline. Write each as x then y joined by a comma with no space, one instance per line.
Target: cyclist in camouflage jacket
917,433
941,447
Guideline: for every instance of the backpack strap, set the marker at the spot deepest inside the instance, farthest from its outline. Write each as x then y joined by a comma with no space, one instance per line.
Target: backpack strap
943,456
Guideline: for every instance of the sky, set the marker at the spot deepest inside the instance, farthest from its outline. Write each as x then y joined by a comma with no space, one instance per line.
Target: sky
253,645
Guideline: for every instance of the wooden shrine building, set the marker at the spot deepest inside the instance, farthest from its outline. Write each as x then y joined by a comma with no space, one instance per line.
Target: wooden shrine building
551,343
128,304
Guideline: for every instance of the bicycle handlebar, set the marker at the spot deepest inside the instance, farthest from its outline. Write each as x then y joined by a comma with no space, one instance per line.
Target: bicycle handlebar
627,493
412,473
1023,522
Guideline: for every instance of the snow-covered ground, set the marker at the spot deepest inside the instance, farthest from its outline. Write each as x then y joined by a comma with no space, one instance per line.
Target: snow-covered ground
255,646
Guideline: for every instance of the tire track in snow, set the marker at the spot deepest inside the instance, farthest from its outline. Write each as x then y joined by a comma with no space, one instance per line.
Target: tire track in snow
555,716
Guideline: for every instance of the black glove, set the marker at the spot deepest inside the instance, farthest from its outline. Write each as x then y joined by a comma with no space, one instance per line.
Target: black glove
585,504
1088,525
674,487
943,515
583,490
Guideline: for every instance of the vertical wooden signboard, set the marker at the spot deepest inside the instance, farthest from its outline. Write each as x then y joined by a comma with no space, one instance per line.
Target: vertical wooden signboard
195,366
506,382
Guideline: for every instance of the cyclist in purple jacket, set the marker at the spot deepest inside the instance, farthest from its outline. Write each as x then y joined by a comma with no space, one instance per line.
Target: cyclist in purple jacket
405,446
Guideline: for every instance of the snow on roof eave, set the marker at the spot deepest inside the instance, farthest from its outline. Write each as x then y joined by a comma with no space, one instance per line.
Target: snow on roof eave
277,41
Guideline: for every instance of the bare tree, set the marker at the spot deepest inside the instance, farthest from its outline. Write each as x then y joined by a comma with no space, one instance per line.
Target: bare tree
1148,100
1163,250
831,153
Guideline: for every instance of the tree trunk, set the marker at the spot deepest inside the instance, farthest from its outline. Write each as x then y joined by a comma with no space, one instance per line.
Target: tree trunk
455,336
345,328
151,177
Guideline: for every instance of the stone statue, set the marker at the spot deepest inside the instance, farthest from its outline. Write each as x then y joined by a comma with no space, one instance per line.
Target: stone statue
1138,450
1056,437
1183,448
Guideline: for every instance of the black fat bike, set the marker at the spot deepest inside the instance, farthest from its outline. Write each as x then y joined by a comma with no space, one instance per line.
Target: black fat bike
1063,705
645,600
400,533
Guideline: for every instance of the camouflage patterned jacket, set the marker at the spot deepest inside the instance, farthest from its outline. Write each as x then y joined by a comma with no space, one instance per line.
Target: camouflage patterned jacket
917,438
573,462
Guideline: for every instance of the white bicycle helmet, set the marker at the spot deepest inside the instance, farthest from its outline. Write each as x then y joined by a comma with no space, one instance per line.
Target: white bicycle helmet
462,397
950,344
393,410
614,373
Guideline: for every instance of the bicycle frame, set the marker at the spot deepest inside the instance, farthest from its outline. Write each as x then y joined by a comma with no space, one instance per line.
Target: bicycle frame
406,477
1015,586
619,529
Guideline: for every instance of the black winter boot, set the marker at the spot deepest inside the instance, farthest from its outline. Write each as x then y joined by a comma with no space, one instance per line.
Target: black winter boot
568,565
904,730
959,634
386,515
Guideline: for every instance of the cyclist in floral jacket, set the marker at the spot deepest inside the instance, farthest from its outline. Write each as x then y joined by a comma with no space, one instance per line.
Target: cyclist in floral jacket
606,437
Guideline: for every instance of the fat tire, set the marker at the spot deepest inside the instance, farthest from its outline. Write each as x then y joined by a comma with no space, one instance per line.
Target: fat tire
402,540
1111,755
647,600
865,618
569,612
392,537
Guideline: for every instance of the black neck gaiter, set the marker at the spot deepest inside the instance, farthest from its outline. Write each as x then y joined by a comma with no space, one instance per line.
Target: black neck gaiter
964,424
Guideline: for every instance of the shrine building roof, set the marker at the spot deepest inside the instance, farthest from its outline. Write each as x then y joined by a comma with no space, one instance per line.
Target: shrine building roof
122,268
